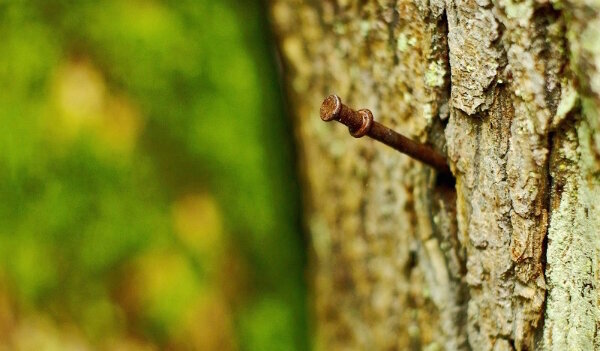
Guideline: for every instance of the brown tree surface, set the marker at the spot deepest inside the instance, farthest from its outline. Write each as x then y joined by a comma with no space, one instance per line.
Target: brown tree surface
507,257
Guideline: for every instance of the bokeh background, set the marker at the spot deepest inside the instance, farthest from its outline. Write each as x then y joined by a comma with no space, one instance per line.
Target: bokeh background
148,197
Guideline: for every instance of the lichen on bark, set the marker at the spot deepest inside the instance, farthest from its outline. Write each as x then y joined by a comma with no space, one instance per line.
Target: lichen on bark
404,261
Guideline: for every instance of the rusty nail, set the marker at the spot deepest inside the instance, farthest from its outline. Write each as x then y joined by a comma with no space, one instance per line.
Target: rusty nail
361,123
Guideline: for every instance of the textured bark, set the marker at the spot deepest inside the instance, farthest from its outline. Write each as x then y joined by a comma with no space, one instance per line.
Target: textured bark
507,256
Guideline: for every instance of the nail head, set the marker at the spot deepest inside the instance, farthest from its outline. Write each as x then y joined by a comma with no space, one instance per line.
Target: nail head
331,108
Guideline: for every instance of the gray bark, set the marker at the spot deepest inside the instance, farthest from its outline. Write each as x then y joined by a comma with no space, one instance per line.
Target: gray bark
507,257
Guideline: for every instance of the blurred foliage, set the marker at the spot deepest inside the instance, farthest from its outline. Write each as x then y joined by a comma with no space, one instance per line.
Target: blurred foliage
147,179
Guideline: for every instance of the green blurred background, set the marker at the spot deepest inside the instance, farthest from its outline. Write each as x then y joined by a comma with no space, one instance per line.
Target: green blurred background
147,179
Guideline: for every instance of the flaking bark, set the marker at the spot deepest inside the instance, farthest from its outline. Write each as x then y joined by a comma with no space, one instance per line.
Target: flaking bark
507,257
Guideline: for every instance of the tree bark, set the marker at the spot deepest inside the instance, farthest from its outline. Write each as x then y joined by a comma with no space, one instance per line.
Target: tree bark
507,256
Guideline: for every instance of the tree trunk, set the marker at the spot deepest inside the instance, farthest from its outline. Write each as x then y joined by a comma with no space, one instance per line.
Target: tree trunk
507,256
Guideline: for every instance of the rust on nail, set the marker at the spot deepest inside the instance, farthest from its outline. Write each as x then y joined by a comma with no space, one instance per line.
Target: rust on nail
361,123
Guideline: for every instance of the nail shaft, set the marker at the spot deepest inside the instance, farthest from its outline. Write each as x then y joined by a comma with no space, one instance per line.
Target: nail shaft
361,123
